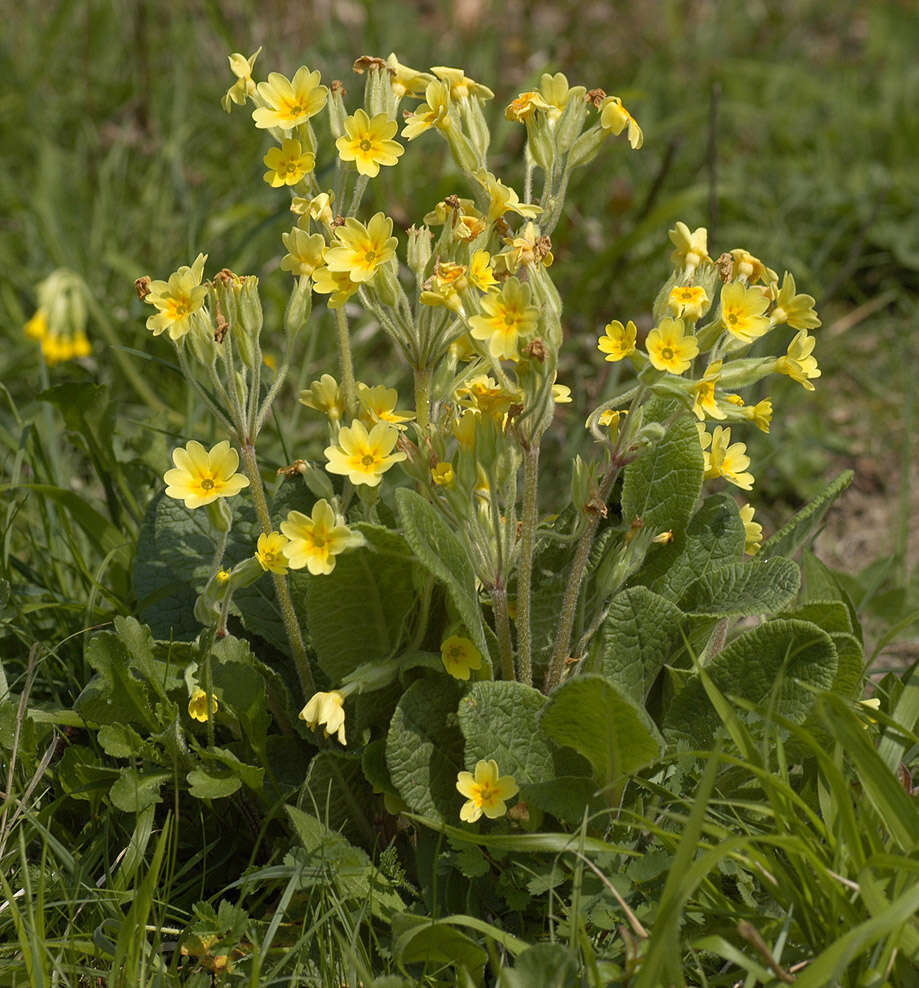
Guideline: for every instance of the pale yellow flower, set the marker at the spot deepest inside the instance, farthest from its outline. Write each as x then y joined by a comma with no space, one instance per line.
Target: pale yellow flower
337,284
319,208
529,247
360,250
368,143
404,80
524,107
362,456
618,341
508,316
485,791
742,311
796,310
288,164
481,274
669,348
201,476
688,301
177,300
326,710
753,531
728,460
289,102
324,396
270,552
315,540
198,705
614,117
503,199
378,404
304,252
460,656
691,247
485,395
703,392
443,474
759,414
461,86
241,67
799,363
557,93
433,112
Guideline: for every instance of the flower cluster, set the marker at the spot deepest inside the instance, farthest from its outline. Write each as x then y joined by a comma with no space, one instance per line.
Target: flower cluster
58,325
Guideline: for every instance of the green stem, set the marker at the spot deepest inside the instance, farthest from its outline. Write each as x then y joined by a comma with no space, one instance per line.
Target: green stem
423,396
572,591
503,630
289,616
345,363
204,665
529,520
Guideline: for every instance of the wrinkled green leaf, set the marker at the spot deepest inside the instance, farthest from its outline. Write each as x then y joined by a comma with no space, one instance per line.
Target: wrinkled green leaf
743,589
134,790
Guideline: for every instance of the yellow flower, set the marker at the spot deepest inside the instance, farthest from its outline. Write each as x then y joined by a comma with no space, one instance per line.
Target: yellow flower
704,401
747,268
612,417
524,107
688,301
442,288
289,102
288,164
378,404
81,345
337,284
669,348
304,252
198,705
316,539
753,531
796,310
466,220
691,247
728,461
442,474
615,117
326,710
485,791
561,394
619,340
480,273
223,577
431,113
359,249
269,552
37,327
742,311
461,86
557,93
242,68
508,315
460,656
368,142
177,299
503,199
201,476
406,81
324,396
529,247
759,414
485,395
362,456
319,208
798,362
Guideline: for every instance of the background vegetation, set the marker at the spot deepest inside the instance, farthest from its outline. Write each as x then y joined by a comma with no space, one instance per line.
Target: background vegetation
789,129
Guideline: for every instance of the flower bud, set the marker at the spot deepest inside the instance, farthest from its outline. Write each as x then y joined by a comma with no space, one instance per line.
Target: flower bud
419,250
587,146
299,307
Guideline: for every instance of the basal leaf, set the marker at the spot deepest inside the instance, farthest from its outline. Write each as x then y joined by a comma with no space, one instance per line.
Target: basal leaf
743,589
500,720
134,791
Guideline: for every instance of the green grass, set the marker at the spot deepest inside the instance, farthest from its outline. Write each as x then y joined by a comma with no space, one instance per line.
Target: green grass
790,133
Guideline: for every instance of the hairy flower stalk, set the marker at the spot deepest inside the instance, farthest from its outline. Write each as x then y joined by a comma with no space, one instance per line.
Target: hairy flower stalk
529,519
345,364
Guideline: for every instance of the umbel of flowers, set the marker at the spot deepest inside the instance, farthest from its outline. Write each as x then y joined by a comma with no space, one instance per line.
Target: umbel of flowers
466,297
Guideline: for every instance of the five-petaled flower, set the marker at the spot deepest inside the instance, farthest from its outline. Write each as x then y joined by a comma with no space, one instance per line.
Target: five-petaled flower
742,311
485,791
618,341
362,456
614,117
669,348
289,102
360,250
691,247
288,163
508,315
726,459
368,142
198,705
460,656
315,540
177,299
688,301
799,363
304,252
269,551
325,710
201,476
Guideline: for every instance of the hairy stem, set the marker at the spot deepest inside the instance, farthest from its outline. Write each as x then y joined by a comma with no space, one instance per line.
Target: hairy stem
529,520
423,396
503,630
291,624
345,363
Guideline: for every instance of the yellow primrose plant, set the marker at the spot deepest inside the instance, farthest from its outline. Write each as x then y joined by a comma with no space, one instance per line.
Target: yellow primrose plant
398,615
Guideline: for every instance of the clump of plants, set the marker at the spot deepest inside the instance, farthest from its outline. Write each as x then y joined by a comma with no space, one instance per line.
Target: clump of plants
418,639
